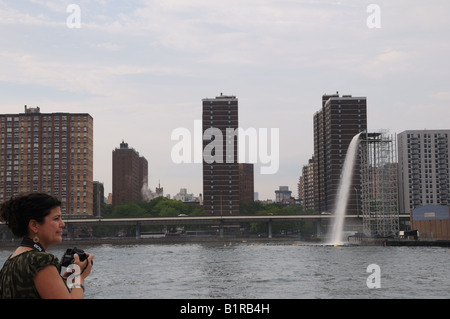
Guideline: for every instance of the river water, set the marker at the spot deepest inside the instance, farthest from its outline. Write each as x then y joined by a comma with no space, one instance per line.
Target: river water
252,270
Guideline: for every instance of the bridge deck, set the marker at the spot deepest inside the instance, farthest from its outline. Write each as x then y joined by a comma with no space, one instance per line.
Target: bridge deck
207,219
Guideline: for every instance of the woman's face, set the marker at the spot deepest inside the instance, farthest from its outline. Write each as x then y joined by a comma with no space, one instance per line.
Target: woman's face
50,231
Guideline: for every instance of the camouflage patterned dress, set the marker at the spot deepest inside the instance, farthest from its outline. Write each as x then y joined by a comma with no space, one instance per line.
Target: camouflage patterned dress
17,274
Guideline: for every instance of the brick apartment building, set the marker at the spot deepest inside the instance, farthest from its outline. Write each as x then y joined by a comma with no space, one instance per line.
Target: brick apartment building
226,182
50,153
130,175
335,125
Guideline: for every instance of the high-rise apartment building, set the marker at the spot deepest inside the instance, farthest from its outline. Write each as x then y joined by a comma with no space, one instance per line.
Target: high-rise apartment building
50,153
130,175
300,191
99,199
307,187
423,168
246,183
335,125
221,188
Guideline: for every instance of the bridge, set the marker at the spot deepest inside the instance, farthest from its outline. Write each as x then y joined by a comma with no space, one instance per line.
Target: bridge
220,221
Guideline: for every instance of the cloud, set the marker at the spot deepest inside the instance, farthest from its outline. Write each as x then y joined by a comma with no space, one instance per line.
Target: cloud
441,96
34,13
54,6
390,61
109,46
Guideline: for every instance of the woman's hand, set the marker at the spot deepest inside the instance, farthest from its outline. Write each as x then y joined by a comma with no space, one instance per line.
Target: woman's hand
49,284
85,266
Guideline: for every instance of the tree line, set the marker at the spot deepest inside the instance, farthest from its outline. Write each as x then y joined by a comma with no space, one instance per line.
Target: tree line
164,207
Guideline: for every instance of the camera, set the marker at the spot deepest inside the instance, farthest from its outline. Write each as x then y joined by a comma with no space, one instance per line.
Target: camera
68,259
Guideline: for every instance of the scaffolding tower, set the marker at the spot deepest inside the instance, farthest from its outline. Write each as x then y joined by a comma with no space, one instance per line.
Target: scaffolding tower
379,195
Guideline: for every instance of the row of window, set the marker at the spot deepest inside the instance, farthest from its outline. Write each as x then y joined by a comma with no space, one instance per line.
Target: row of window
44,129
427,135
45,118
72,210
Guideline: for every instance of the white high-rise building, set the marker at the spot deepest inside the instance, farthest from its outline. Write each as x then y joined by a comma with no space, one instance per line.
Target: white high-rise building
423,168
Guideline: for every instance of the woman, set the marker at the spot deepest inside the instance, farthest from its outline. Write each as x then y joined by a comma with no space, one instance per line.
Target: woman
30,272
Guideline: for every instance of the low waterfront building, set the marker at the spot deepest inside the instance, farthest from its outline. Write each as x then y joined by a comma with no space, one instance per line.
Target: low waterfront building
432,222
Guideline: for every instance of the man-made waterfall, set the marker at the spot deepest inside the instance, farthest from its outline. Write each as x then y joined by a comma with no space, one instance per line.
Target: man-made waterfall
343,192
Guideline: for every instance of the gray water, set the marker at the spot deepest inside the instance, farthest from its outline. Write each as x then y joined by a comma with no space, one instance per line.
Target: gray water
247,270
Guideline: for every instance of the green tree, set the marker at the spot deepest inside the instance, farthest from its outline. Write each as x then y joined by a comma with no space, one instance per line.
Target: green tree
176,208
128,210
251,208
107,210
196,210
168,212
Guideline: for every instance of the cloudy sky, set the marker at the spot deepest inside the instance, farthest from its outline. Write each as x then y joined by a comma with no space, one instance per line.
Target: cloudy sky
141,69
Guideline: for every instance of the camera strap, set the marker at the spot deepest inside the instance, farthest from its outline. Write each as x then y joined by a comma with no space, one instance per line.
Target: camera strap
27,242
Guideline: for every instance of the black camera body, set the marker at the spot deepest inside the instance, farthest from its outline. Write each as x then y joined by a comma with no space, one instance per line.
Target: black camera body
68,259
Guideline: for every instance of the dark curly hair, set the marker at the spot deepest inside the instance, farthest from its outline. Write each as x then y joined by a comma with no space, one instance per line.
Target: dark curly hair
17,212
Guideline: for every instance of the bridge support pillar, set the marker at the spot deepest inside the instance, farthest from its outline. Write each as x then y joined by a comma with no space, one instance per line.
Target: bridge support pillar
318,228
269,229
5,234
69,228
138,230
221,229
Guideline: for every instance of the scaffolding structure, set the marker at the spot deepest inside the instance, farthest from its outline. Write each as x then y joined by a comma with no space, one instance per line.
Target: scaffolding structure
379,195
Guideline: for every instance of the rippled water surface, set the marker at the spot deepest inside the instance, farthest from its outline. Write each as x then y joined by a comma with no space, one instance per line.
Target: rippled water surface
278,271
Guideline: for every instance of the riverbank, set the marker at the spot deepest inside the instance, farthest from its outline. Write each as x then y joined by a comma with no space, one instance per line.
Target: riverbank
405,242
227,241
83,242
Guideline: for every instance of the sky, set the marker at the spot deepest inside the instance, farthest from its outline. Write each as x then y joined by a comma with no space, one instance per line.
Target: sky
141,68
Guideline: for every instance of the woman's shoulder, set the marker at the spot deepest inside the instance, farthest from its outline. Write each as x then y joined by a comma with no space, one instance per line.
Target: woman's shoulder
18,272
33,261
43,257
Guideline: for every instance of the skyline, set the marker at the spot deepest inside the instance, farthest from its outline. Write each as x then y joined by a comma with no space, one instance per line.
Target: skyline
142,68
